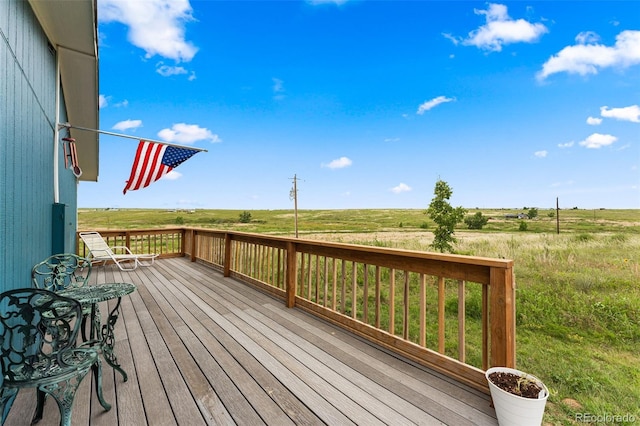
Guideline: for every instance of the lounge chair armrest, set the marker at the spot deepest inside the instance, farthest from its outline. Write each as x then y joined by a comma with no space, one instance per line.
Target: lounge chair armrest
125,248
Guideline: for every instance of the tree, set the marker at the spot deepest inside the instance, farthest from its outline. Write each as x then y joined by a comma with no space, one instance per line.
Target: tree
477,221
445,217
533,212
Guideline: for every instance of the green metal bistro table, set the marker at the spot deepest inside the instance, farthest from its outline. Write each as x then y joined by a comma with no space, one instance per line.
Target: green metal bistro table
101,335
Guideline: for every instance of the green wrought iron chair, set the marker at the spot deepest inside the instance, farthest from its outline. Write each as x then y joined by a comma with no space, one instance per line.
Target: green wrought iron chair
61,271
38,333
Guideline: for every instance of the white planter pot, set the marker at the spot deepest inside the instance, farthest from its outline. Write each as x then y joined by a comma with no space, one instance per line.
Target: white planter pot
514,410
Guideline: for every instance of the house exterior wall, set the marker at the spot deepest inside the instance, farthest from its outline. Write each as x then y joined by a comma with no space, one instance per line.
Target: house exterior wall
27,126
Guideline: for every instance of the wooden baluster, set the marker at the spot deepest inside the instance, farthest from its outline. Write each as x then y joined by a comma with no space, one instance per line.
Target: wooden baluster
392,302
423,310
441,317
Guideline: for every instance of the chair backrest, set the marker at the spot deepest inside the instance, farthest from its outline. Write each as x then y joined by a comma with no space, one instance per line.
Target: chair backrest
36,326
60,271
96,244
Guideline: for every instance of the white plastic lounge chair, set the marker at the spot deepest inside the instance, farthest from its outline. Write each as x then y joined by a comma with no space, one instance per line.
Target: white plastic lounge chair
99,251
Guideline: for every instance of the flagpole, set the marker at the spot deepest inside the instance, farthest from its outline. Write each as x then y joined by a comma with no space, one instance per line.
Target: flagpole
69,126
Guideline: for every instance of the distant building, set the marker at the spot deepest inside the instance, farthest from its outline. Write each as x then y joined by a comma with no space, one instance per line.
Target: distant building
516,216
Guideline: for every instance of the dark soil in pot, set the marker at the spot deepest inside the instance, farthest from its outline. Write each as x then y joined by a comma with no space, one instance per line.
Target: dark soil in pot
515,384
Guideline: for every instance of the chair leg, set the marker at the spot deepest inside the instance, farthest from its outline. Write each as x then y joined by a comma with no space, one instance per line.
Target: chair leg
83,327
97,378
64,393
122,268
7,396
40,397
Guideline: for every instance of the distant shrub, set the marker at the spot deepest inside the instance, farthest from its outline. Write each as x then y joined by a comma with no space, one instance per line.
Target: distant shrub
401,225
245,217
551,214
424,225
533,212
523,226
476,221
179,220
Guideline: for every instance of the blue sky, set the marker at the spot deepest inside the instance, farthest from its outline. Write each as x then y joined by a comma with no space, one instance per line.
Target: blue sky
369,103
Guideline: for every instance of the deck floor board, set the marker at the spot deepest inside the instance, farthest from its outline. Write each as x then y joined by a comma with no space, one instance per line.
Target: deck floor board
200,348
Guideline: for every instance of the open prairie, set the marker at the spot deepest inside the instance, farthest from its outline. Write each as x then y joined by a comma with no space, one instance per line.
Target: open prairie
577,294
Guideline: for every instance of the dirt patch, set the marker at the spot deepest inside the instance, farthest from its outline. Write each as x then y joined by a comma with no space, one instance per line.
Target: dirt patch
572,403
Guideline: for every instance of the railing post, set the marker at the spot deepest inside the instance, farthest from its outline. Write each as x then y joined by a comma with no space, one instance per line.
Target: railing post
502,313
183,236
227,255
193,245
291,275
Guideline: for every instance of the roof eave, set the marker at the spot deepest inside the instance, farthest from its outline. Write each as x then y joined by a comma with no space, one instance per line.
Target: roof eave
71,27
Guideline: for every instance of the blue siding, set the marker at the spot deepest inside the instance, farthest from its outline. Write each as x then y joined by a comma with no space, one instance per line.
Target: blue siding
27,123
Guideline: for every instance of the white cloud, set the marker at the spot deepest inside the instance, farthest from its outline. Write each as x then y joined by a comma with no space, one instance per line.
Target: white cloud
127,124
594,121
540,154
156,26
187,134
566,145
277,85
630,113
278,89
402,187
172,175
455,40
598,140
167,71
338,163
587,37
392,139
588,57
427,105
566,183
500,30
104,101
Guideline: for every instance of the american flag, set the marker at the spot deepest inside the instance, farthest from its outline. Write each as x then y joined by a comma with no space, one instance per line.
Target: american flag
154,160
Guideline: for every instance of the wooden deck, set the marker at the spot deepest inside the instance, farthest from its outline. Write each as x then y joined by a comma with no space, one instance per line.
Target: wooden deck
203,349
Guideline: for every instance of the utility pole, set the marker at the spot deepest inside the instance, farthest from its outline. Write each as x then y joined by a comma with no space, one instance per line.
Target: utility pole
293,194
557,216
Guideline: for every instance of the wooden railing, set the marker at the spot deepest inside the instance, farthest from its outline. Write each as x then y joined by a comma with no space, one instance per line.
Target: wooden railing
165,242
455,314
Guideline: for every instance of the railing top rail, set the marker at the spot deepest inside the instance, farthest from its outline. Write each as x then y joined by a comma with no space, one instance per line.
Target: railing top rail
136,231
311,245
300,242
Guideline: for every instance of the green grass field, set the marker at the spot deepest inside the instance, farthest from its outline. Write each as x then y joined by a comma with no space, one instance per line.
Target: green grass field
578,292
